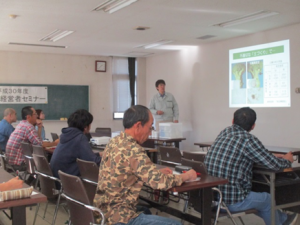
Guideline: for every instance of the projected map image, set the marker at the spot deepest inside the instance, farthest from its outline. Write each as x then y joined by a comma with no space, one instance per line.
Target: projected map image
239,74
255,82
255,71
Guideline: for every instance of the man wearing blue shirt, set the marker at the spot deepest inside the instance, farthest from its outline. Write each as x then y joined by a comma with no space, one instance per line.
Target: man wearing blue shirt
10,116
232,156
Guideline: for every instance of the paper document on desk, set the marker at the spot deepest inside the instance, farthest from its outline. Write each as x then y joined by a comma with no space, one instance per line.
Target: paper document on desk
197,179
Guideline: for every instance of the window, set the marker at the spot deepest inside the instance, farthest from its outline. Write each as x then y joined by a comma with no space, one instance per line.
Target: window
121,91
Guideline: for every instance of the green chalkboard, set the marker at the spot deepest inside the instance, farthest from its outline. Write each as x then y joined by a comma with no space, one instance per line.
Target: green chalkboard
63,100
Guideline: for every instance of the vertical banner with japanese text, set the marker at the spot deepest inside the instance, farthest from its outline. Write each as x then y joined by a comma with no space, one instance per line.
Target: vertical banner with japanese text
23,94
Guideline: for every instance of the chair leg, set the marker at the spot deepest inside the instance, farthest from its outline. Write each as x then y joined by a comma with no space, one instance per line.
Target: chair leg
241,220
36,212
229,213
45,210
56,209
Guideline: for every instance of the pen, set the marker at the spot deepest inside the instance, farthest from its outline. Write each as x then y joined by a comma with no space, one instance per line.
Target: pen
198,174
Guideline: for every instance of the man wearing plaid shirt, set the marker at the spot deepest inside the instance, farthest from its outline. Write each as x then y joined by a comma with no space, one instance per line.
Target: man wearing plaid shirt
24,132
232,156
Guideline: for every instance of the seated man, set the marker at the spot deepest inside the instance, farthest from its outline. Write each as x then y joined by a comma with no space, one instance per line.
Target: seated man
124,169
232,156
74,144
24,132
10,116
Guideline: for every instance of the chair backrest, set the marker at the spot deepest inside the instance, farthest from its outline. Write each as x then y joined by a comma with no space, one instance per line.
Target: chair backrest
89,172
103,131
194,156
26,148
27,152
170,156
75,193
54,136
38,150
197,166
45,175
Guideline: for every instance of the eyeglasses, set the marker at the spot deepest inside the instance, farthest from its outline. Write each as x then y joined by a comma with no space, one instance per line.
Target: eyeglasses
151,128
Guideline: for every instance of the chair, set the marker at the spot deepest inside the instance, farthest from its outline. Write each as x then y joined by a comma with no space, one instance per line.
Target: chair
30,167
4,165
38,150
47,184
54,136
193,156
89,172
170,156
201,168
103,131
81,211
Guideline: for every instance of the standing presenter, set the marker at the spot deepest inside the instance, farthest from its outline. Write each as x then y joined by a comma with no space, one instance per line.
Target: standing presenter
163,105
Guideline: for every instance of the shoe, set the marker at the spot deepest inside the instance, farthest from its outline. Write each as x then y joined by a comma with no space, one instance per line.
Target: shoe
291,219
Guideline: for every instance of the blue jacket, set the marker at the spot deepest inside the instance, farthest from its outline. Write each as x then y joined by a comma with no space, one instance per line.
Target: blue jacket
73,144
5,131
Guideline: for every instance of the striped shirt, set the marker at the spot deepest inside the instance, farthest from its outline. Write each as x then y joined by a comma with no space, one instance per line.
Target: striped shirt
232,156
26,132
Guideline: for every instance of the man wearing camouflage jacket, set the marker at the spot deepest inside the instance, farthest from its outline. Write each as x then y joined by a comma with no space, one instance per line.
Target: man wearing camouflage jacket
125,167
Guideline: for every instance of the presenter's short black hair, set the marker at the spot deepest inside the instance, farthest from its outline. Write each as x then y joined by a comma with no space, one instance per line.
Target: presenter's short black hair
158,82
134,114
80,119
27,110
245,118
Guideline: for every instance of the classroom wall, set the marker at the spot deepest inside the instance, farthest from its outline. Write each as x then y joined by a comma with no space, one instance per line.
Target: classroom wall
38,68
199,80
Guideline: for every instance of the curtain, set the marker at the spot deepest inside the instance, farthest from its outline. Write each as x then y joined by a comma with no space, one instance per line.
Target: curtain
131,70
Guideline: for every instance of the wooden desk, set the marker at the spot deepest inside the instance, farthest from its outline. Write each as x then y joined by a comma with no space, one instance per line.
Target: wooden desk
18,206
282,185
205,185
203,145
273,149
151,142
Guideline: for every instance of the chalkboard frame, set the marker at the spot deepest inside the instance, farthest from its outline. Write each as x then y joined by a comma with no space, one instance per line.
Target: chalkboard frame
63,100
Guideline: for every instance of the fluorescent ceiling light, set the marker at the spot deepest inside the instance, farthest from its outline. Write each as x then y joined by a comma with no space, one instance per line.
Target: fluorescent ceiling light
111,6
37,45
247,18
56,35
158,43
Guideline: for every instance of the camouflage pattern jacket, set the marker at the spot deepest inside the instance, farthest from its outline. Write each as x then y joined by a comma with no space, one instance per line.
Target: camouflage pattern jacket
124,168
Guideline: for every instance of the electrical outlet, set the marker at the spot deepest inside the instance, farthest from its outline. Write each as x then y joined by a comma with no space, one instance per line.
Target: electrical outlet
297,90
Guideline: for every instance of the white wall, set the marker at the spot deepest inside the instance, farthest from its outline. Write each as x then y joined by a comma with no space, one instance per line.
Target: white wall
38,68
199,80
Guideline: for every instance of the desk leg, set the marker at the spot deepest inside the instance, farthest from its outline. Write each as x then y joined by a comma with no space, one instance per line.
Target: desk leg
273,201
18,215
205,201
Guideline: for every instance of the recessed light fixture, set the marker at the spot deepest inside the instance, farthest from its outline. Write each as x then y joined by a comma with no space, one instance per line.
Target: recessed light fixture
155,44
141,28
111,6
37,45
247,18
56,35
13,16
206,37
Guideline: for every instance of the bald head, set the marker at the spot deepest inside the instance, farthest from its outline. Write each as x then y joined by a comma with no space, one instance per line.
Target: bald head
10,115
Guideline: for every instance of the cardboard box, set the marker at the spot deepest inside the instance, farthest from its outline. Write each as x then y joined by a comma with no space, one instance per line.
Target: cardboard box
170,130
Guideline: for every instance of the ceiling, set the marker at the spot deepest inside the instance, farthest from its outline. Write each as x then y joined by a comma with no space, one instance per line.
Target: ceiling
103,34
